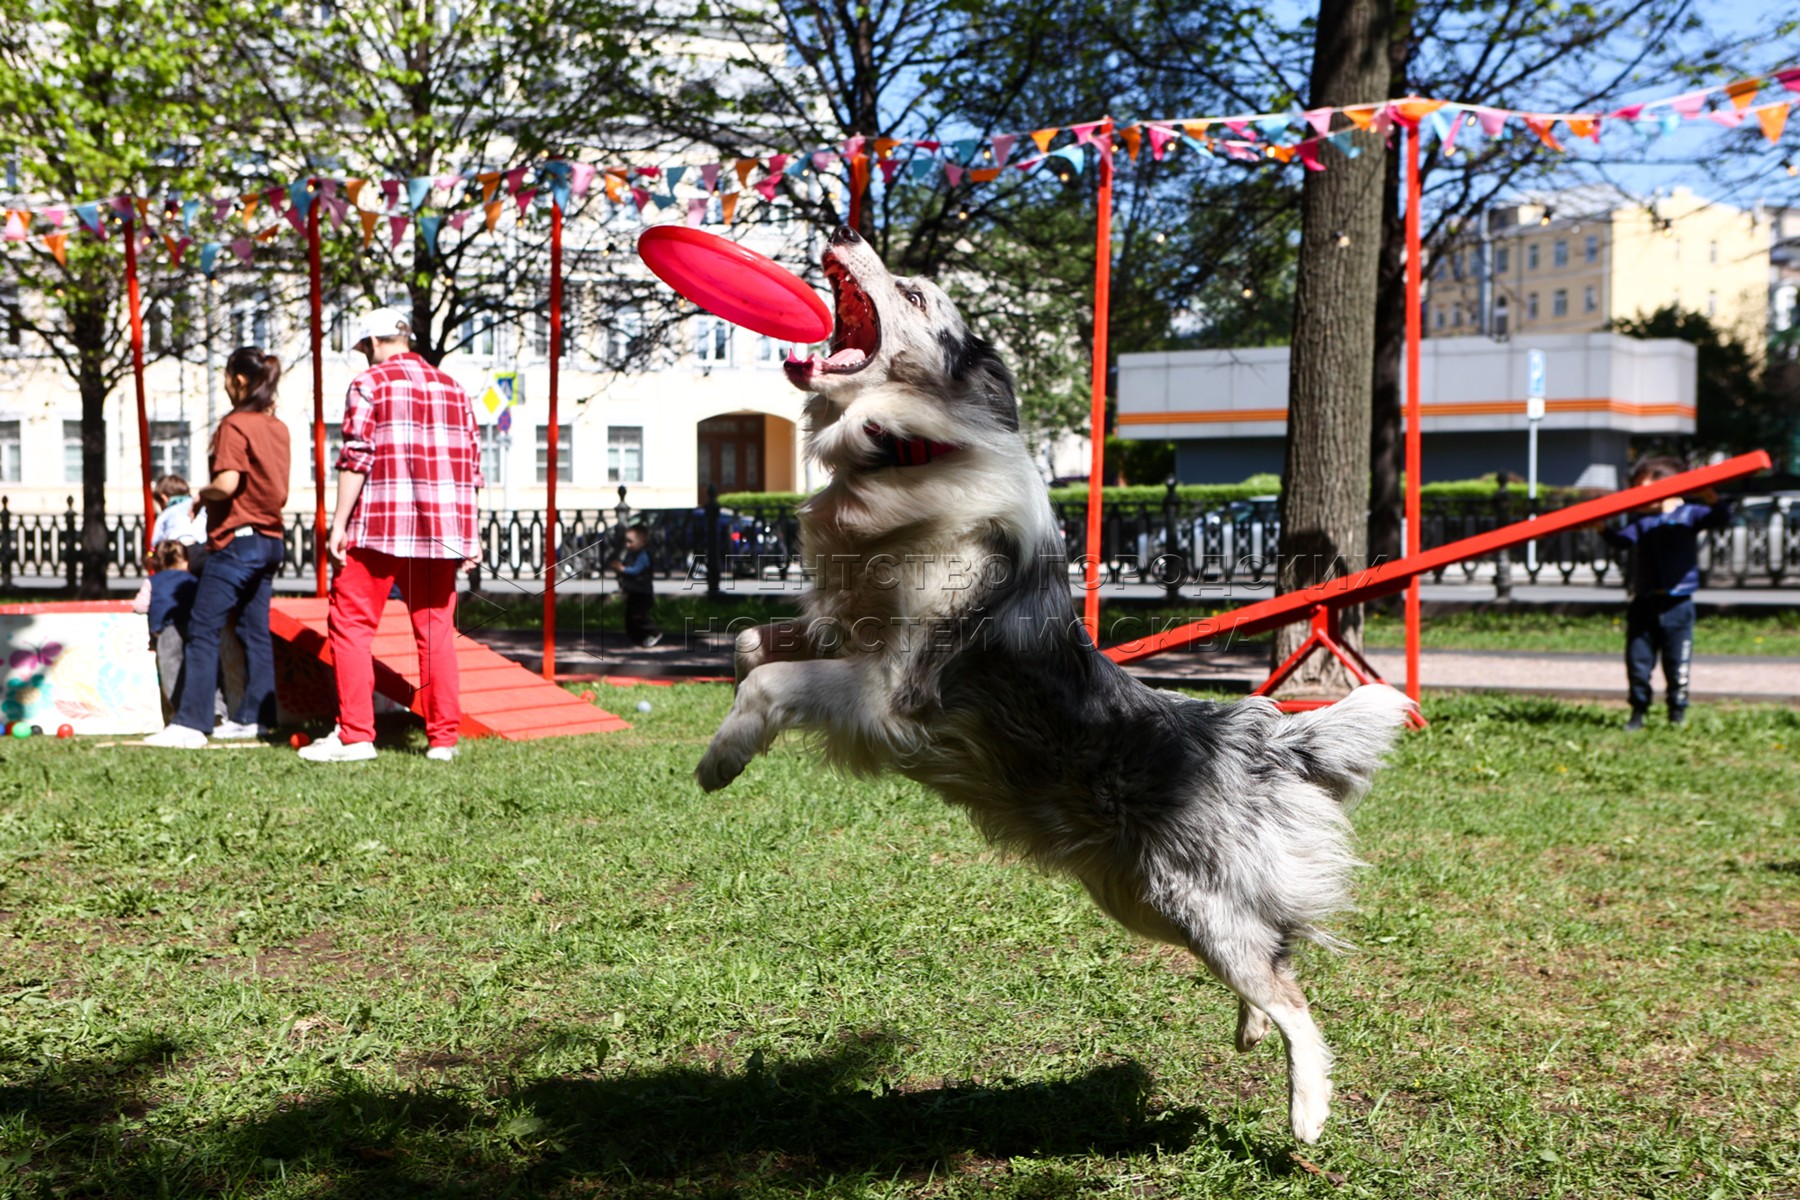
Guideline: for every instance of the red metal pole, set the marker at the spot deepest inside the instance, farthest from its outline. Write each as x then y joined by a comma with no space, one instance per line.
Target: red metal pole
556,346
316,279
1414,270
134,302
1090,608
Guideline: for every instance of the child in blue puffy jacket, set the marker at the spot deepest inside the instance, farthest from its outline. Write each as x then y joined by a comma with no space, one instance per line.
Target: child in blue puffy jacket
1665,544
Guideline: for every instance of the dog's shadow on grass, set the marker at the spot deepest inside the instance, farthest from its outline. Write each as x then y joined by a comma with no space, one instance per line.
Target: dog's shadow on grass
794,1124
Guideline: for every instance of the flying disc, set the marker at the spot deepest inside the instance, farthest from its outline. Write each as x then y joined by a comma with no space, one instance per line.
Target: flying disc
740,285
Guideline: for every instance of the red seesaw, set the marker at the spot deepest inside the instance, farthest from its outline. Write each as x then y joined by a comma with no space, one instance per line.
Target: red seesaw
1320,604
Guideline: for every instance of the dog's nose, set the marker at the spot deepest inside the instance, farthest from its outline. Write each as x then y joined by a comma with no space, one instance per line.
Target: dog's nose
843,235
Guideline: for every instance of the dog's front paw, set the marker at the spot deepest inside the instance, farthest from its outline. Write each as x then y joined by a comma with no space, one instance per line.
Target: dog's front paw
1307,1110
731,751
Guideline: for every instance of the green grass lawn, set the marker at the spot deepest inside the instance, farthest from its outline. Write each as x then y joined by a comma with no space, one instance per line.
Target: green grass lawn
557,970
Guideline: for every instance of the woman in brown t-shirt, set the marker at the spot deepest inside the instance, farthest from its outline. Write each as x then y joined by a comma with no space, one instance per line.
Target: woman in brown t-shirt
249,460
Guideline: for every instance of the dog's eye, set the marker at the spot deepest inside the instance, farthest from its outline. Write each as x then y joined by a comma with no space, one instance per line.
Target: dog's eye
913,297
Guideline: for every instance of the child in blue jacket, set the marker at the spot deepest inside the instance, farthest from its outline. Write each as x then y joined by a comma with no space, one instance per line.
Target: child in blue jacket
1665,544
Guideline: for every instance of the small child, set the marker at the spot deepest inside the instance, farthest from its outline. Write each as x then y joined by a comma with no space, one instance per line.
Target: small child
171,590
1665,540
636,585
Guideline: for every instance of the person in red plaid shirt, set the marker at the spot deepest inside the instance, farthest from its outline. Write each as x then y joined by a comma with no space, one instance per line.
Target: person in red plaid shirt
405,516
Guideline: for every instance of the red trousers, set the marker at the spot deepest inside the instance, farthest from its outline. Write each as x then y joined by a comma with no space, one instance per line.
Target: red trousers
358,594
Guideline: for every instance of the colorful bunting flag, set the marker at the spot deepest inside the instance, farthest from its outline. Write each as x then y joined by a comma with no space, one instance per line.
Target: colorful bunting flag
15,227
1002,146
429,226
1772,118
491,214
1159,139
729,201
369,221
209,259
58,245
1542,126
1043,138
397,228
696,211
1133,137
1743,92
244,248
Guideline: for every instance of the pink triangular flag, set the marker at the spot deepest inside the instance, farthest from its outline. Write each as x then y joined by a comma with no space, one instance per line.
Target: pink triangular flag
1492,120
1309,155
221,209
890,167
776,163
1159,138
514,179
1084,133
1690,104
1320,120
15,228
1729,118
853,146
397,225
640,197
767,184
1628,113
296,220
243,247
1456,124
581,175
1242,129
336,207
822,160
390,191
447,180
524,199
697,211
457,219
1003,145
709,176
1790,78
953,173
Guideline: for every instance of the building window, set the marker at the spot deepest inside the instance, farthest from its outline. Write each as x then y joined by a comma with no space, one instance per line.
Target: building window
1559,302
71,451
565,454
168,449
1589,301
478,335
491,442
1712,304
334,445
1502,259
1591,249
540,333
1531,307
1440,317
769,351
625,338
250,324
625,454
712,340
1712,252
1560,252
12,335
1531,257
1501,314
11,452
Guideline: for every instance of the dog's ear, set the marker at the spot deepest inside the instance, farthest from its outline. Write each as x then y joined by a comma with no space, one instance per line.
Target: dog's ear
984,376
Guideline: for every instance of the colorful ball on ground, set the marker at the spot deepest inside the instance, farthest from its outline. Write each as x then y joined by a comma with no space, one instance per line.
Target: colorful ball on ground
299,741
587,697
37,731
21,730
65,731
643,706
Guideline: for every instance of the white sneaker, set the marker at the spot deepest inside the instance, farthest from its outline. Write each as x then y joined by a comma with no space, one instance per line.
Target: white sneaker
329,749
441,754
231,729
177,737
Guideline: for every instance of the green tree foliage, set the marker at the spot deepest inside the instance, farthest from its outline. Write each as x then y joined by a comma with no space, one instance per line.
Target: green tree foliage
103,98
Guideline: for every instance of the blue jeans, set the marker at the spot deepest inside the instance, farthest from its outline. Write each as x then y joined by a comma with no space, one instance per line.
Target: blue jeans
1664,624
237,578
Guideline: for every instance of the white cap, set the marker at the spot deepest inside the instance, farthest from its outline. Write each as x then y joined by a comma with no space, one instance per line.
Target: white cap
381,323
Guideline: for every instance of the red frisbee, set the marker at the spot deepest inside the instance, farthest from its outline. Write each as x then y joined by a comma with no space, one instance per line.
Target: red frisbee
740,285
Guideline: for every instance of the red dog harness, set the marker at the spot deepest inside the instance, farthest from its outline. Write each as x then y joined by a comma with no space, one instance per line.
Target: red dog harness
905,452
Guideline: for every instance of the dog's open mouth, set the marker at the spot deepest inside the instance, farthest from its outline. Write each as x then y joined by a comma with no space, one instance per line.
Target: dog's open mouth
855,337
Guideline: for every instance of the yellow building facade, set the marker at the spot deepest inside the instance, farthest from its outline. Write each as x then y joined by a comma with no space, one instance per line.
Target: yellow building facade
1575,262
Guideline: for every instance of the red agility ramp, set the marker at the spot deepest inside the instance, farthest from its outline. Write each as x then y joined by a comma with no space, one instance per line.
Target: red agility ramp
499,697
1321,604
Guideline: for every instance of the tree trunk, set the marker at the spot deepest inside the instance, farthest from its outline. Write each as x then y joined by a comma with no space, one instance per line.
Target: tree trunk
1387,451
1325,484
87,321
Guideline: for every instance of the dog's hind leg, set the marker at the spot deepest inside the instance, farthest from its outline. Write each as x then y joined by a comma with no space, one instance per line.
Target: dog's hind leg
1266,984
1252,1026
778,641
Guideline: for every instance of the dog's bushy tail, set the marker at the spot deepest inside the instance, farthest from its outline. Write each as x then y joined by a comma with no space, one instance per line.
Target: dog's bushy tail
1340,748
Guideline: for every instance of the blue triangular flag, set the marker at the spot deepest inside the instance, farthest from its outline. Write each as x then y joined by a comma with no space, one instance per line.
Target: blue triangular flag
89,216
188,209
1196,144
672,176
559,183
1075,156
300,196
1270,126
418,188
209,258
964,149
1341,141
921,166
429,226
799,165
1440,124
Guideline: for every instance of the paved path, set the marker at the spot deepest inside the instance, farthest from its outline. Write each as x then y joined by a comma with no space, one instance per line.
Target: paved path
1571,676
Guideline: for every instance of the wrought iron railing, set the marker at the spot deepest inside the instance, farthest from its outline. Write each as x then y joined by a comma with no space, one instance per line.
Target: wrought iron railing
1168,543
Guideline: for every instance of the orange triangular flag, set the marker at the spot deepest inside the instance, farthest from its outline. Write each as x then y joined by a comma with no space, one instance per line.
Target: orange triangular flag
174,248
1361,115
1413,110
249,203
489,180
1773,117
1133,137
353,187
615,187
1043,138
1542,126
268,234
884,147
985,175
58,243
728,205
368,220
744,167
1743,92
143,208
1283,153
1580,127
1196,129
493,215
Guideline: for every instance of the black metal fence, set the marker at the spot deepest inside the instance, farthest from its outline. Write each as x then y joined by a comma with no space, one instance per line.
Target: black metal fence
1168,543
